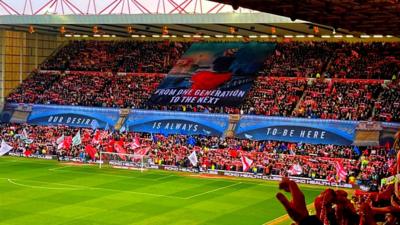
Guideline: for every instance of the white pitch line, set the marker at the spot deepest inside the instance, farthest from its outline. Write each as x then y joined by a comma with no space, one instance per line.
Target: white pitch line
164,177
207,192
59,168
39,187
110,175
88,187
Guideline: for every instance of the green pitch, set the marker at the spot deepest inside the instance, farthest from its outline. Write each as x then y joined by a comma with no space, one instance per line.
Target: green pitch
41,192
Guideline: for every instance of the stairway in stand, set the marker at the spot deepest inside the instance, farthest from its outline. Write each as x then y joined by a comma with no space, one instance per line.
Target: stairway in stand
123,114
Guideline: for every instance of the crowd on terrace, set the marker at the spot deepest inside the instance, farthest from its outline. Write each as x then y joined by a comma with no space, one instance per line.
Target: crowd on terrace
94,89
377,60
274,94
364,165
348,100
117,56
299,59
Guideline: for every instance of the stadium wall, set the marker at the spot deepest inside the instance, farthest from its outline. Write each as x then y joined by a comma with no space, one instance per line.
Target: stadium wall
21,53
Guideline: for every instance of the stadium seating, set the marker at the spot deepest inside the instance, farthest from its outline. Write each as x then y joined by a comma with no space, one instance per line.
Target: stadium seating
273,96
299,59
93,89
365,61
118,56
94,64
387,107
343,99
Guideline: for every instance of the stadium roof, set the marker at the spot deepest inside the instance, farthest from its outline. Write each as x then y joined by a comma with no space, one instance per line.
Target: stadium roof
246,24
369,16
147,17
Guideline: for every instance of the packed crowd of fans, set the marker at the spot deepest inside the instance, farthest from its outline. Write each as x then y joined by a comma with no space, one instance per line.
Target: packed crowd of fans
270,157
273,96
324,98
344,100
298,96
299,59
95,89
377,60
270,96
387,107
363,60
117,56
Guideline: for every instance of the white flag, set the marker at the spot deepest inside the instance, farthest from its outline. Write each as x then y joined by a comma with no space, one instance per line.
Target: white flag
60,145
77,139
193,158
122,129
25,134
295,170
60,139
4,148
246,163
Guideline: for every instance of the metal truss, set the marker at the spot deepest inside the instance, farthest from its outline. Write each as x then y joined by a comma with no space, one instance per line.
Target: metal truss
101,7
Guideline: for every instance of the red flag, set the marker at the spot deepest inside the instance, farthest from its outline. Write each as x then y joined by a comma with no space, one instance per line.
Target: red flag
91,151
355,54
233,153
99,136
387,146
295,169
142,151
139,153
86,136
27,153
246,163
96,137
118,146
340,172
136,143
65,143
110,146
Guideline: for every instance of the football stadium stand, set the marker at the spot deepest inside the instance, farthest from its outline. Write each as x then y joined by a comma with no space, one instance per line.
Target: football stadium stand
248,95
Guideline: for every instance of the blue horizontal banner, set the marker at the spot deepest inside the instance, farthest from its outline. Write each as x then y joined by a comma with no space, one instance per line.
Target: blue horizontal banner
314,131
74,116
7,112
165,122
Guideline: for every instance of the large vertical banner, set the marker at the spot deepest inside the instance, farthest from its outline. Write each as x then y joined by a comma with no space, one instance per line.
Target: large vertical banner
213,74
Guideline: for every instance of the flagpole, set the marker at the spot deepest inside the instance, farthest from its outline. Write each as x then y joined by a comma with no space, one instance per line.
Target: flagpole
142,165
101,161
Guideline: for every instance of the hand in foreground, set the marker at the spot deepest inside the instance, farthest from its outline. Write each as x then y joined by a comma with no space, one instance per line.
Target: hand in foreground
296,208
